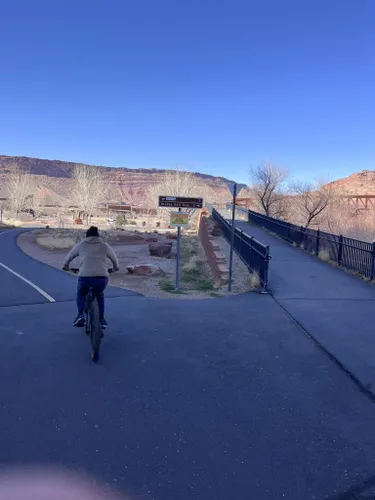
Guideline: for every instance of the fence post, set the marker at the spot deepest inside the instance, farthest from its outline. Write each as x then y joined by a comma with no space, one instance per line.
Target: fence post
372,262
317,242
301,232
232,238
267,260
251,251
339,257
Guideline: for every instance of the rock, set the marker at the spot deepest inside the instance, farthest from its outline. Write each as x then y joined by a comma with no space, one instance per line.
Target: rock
171,236
160,249
145,270
216,230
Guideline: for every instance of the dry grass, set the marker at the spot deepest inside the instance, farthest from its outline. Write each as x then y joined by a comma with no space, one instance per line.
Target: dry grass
64,239
340,218
324,255
17,223
4,227
195,273
58,239
254,281
54,242
192,264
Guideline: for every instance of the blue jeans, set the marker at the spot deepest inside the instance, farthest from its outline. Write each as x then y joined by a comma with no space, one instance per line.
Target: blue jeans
98,285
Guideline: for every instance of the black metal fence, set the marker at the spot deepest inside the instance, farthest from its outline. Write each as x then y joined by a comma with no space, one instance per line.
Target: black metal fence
349,253
254,254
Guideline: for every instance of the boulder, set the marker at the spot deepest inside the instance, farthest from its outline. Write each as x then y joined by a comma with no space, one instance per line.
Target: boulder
145,270
162,249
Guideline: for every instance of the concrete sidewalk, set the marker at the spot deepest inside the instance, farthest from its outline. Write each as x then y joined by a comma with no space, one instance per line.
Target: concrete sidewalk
335,308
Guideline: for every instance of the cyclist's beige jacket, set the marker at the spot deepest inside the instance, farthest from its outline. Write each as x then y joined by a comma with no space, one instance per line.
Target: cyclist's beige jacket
93,254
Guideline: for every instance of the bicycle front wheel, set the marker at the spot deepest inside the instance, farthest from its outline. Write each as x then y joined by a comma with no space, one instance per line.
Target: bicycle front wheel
96,330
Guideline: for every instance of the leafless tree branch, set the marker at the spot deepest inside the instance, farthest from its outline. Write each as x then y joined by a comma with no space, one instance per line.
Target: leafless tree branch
178,183
268,186
312,200
20,188
89,189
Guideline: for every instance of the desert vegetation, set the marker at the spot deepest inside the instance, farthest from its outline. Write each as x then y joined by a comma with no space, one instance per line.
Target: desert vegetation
317,204
43,192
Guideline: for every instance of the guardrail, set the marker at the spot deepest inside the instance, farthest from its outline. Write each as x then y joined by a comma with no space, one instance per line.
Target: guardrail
355,255
252,252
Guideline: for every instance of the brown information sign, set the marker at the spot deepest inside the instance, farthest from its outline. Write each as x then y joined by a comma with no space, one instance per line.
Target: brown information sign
180,202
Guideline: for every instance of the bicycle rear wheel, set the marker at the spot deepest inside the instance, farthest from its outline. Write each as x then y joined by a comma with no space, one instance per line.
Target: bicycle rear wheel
95,330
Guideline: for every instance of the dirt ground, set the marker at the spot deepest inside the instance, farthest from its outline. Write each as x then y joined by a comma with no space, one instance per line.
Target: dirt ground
241,275
50,246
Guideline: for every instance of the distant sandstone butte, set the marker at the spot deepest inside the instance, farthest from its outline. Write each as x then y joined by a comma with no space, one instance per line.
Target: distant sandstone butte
358,183
54,178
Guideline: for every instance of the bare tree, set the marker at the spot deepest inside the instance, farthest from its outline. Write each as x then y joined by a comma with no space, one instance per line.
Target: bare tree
132,197
89,189
37,202
268,182
178,183
312,200
20,190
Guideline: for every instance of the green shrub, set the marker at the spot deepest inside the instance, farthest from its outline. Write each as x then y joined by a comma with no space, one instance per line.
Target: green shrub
205,285
120,220
166,286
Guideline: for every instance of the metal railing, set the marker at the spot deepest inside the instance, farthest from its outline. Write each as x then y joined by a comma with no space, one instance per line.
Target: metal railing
252,252
355,255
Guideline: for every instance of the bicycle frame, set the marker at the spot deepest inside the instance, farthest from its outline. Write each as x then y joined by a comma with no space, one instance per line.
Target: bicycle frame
92,320
89,299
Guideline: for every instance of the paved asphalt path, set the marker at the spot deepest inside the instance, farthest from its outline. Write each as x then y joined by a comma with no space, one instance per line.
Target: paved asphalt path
57,284
336,308
214,400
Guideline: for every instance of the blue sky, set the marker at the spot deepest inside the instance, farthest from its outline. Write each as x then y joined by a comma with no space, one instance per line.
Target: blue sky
210,85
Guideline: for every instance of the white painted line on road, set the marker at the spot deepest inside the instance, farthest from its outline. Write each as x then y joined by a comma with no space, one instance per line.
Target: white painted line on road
42,292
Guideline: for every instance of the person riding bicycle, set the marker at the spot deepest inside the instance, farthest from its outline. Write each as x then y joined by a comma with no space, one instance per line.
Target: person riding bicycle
93,271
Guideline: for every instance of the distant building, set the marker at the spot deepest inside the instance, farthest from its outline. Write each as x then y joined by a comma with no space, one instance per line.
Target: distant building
125,208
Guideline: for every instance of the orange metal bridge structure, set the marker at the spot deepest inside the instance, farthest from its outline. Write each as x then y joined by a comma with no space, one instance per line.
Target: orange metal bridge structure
360,202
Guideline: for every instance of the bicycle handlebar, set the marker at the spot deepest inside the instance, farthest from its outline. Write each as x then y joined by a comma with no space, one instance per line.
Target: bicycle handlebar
76,270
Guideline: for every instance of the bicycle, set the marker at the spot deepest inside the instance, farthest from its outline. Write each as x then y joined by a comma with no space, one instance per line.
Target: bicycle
93,326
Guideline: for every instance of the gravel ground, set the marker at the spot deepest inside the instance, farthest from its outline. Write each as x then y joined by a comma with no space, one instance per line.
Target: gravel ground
240,274
138,254
127,254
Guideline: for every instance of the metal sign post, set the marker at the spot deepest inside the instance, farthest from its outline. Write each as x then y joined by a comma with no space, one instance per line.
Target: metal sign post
179,219
178,257
232,238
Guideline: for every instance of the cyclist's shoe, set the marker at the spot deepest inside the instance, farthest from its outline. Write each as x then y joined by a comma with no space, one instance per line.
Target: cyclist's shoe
103,323
79,321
